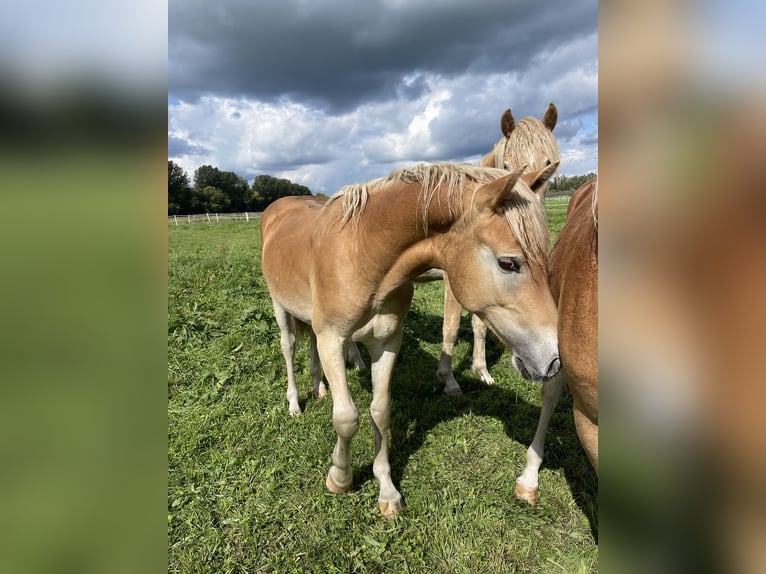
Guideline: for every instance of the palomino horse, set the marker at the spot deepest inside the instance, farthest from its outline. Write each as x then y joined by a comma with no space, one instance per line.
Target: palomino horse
530,142
350,279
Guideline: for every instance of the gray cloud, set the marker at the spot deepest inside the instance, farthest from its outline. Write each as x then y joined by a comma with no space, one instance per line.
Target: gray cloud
340,54
330,92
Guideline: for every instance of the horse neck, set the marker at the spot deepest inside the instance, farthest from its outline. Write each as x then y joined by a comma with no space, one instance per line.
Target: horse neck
401,234
492,159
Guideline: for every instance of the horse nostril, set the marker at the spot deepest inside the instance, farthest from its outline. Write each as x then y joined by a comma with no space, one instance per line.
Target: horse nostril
553,368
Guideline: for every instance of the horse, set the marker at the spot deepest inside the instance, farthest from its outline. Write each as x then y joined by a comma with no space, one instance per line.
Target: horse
350,279
573,276
530,142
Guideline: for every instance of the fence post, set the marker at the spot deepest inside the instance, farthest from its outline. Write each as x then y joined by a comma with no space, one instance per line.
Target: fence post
246,217
175,219
208,217
216,218
188,218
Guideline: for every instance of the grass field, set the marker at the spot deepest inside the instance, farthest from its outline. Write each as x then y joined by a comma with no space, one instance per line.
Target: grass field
246,481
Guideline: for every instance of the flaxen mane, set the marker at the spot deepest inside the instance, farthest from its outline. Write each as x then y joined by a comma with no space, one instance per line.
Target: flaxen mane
524,213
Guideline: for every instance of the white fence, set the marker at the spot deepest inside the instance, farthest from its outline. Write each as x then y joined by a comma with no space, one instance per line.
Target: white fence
212,217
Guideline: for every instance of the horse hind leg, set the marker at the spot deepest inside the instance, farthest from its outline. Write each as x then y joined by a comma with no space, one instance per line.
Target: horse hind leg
354,358
479,365
450,326
527,483
287,328
315,368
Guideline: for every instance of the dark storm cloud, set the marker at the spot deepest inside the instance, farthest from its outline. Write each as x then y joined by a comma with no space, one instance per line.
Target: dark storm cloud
339,54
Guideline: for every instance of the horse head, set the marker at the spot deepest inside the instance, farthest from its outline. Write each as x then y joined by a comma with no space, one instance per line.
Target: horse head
500,270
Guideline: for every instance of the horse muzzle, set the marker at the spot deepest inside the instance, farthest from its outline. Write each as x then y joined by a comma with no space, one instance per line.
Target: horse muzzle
532,374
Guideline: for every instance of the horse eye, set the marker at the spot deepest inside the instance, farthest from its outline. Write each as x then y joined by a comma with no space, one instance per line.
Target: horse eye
509,264
547,163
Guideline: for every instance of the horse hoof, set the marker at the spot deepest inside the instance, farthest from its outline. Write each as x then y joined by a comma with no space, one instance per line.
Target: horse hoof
526,494
334,488
455,392
295,411
321,392
484,376
390,508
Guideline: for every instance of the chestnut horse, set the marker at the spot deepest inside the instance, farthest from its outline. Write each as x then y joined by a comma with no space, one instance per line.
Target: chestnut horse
350,279
574,283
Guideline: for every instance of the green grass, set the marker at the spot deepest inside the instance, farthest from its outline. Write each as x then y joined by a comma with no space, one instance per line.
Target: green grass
246,481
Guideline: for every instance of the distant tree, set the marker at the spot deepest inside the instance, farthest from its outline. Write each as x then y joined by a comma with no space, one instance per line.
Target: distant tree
212,200
266,189
229,183
179,190
563,184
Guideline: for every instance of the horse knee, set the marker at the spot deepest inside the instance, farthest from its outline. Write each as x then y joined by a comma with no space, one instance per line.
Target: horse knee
345,421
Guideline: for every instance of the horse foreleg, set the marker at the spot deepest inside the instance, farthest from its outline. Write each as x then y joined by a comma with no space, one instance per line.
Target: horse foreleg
383,358
450,326
527,483
287,344
345,417
479,350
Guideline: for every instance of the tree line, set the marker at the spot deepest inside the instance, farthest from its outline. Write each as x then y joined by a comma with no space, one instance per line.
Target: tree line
566,185
216,191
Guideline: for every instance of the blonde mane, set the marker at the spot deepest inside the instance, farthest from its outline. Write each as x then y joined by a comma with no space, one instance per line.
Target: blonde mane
524,213
529,143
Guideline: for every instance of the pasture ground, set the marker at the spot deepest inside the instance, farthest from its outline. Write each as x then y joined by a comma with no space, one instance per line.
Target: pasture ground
246,481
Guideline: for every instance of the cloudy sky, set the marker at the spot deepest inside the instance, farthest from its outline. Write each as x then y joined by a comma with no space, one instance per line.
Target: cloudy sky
330,92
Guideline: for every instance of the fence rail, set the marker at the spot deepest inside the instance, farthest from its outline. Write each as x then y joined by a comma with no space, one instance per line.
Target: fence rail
213,217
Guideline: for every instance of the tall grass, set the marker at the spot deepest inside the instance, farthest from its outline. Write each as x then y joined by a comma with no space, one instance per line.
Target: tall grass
246,481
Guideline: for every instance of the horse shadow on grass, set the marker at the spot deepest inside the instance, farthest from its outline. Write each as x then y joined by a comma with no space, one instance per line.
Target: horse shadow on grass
419,405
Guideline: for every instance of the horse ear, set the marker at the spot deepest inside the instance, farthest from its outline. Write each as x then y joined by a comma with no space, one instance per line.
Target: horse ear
507,123
551,117
496,195
537,181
